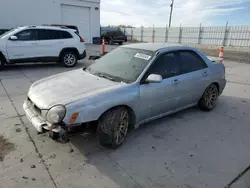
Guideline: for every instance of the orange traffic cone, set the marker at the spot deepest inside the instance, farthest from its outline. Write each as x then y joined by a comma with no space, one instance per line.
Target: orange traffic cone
221,54
103,46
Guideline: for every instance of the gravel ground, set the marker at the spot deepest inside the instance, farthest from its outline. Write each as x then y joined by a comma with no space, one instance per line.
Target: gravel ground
240,57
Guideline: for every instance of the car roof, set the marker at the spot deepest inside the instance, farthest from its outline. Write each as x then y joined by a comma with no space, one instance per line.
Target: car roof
156,46
46,27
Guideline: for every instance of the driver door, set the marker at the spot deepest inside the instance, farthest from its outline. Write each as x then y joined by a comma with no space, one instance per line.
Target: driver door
25,47
159,98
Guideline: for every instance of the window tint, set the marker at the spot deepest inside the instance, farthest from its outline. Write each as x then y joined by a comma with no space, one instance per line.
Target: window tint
65,35
119,33
167,65
45,34
27,35
190,61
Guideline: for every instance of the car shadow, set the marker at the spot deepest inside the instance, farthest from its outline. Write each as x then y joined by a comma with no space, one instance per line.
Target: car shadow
28,66
140,156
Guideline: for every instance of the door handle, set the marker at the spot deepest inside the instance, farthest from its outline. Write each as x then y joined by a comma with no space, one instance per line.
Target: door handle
34,43
204,74
176,81
60,42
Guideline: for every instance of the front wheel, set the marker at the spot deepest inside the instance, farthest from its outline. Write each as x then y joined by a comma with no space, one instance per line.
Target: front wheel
2,62
111,41
209,98
113,127
69,59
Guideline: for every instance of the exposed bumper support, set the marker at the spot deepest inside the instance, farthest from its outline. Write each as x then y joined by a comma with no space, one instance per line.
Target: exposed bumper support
37,121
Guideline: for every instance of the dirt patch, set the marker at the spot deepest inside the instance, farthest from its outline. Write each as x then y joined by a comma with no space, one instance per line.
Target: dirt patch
240,57
5,147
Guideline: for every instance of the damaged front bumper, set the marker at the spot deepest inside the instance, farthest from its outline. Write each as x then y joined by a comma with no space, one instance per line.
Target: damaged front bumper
34,116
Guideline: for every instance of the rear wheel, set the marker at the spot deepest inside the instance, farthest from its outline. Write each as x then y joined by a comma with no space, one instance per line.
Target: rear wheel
209,98
120,43
113,127
69,59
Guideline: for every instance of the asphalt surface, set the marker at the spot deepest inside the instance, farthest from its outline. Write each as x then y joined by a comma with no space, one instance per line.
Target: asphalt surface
190,149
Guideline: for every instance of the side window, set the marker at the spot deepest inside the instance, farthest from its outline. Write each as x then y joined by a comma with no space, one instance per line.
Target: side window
108,34
190,61
119,33
27,35
46,34
167,65
65,35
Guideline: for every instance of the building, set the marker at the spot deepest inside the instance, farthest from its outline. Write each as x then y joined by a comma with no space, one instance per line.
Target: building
85,14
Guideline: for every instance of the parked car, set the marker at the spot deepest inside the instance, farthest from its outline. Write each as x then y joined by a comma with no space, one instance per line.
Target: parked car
127,87
41,44
112,37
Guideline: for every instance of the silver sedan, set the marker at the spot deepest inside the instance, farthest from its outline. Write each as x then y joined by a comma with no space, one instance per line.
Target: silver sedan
127,87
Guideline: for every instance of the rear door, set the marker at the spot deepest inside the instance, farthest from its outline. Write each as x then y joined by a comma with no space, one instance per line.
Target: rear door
25,47
194,78
50,42
119,36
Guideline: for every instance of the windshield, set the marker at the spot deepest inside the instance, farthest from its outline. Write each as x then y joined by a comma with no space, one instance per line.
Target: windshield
6,33
122,64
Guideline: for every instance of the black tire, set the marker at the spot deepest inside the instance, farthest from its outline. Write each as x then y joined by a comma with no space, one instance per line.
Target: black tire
113,127
69,59
111,41
120,43
2,62
54,135
209,98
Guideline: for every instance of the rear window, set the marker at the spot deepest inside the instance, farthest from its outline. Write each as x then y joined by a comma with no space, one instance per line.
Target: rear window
65,35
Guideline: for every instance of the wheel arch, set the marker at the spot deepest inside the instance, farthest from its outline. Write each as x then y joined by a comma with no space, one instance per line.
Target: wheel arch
69,49
217,85
130,111
2,56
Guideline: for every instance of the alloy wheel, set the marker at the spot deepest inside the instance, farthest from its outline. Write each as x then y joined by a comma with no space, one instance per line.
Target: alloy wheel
69,59
121,129
211,96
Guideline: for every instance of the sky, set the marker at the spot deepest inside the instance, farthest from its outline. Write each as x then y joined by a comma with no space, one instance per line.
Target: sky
186,12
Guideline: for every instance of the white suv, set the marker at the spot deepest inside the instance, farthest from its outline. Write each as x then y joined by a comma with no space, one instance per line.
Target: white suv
41,44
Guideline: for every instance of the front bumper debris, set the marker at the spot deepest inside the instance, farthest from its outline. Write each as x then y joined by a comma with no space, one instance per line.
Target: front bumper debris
37,120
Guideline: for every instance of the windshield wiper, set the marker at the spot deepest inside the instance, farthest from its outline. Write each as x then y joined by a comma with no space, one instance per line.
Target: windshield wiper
102,75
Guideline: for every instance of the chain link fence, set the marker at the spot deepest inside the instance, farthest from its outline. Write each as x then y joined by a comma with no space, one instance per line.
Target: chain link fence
236,36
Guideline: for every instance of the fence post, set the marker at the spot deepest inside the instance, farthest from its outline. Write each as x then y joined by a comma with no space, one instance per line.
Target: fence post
153,35
141,33
200,34
180,35
166,34
132,34
225,35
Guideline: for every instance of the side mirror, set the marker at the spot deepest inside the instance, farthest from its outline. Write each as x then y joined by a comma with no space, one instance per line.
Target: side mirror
13,38
154,78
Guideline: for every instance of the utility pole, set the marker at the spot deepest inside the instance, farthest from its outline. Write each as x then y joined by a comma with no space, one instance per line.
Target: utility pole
171,11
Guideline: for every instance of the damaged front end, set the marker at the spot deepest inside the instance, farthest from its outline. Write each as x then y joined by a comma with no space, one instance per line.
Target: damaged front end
47,120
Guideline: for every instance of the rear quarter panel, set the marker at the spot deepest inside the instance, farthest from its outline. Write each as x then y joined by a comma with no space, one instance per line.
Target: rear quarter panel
216,71
218,75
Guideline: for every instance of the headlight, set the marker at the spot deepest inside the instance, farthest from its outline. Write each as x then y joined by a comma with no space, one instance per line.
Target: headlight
56,114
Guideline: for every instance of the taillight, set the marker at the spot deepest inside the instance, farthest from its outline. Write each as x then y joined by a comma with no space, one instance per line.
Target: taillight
81,39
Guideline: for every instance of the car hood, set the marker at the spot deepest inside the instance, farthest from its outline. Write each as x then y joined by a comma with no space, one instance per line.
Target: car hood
68,87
